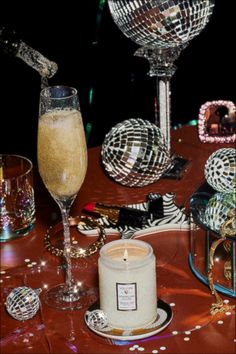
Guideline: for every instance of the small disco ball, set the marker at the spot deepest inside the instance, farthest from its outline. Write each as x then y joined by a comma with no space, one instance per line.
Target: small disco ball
134,153
97,319
218,208
23,303
161,23
220,170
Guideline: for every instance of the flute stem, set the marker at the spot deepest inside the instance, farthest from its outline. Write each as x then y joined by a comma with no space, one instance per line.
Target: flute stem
67,246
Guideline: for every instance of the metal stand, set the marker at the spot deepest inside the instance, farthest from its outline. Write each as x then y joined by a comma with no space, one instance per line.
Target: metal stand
162,66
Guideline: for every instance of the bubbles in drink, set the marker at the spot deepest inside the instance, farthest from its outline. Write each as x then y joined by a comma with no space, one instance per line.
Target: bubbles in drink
62,152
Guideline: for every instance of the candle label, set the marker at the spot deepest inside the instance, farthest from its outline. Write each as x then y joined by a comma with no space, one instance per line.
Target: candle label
126,294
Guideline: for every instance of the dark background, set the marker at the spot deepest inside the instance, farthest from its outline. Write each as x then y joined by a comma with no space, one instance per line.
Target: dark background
91,52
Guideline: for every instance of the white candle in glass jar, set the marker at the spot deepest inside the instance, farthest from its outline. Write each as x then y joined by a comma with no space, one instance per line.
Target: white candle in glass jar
127,283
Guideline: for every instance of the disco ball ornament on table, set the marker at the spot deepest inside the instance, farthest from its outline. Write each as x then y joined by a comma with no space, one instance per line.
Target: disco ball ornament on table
218,209
97,319
220,170
23,303
134,153
162,28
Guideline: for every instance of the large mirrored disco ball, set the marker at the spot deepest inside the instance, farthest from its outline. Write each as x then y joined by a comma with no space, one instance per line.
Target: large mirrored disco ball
134,153
217,210
220,170
23,303
161,23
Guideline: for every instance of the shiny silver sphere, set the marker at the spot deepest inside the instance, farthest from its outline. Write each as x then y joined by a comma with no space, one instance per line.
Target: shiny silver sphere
161,23
220,170
218,208
134,153
23,303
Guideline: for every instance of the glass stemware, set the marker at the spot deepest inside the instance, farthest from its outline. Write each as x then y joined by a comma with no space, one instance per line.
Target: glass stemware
62,162
162,29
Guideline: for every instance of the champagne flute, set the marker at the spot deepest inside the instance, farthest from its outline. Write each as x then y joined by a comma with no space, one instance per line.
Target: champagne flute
62,162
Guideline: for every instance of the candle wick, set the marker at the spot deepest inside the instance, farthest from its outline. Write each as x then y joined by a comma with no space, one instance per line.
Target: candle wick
125,256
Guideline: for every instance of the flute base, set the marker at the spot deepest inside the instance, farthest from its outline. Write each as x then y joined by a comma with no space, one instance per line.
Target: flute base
60,298
177,168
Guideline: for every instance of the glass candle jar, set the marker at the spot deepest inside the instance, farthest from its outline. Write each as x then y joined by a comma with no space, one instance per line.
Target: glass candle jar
127,283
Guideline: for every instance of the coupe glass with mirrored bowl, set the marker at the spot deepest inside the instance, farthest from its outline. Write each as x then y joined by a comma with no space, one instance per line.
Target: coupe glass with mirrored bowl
163,28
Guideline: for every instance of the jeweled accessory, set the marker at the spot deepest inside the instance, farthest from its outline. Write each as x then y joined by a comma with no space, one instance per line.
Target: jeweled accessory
75,251
23,303
134,153
220,170
209,211
227,229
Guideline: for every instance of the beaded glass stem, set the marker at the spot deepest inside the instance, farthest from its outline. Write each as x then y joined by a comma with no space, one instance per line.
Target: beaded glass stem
163,28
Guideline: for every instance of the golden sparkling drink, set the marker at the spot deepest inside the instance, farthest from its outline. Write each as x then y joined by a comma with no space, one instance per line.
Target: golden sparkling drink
62,152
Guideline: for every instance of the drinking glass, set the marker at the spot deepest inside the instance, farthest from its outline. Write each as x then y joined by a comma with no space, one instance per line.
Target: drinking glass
17,206
62,162
162,29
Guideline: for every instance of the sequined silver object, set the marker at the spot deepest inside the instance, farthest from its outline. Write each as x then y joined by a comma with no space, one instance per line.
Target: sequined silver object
220,170
97,319
134,153
23,303
161,23
163,28
217,210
